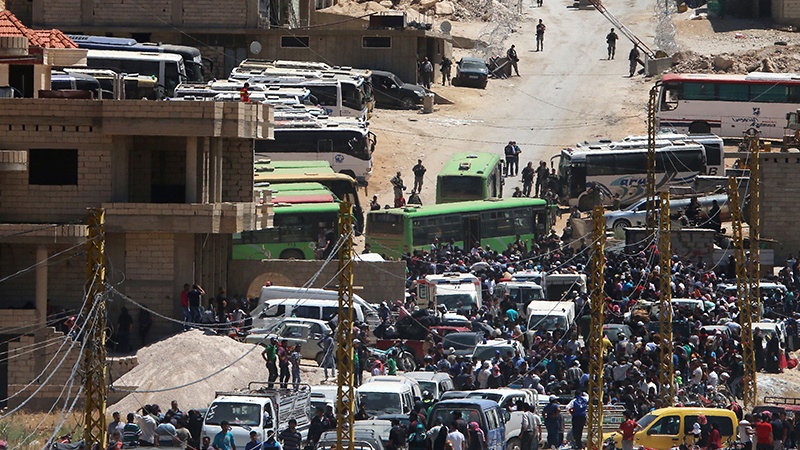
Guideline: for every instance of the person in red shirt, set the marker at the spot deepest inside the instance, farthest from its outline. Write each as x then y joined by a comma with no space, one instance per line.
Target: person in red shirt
244,93
763,433
628,429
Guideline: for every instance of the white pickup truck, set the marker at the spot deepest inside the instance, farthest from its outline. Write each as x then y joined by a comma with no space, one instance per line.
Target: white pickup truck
259,410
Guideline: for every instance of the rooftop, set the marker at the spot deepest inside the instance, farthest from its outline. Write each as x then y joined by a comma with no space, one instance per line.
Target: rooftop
11,26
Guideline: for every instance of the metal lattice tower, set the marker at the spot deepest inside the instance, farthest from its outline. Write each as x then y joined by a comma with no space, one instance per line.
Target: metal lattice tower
755,221
650,187
345,400
666,375
749,389
594,415
94,361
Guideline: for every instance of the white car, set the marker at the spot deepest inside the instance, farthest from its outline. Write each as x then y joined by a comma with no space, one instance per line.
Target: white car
636,214
487,351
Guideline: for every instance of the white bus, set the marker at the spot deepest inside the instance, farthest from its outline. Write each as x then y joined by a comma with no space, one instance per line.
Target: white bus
347,145
590,176
167,68
714,145
339,94
728,105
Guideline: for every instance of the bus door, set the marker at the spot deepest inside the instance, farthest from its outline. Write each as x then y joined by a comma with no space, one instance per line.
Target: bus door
471,226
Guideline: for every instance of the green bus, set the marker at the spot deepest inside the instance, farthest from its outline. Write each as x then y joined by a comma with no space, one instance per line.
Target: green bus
343,186
494,222
470,176
296,228
310,192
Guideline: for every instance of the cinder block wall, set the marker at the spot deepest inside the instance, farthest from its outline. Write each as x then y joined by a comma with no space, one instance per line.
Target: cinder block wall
688,244
780,203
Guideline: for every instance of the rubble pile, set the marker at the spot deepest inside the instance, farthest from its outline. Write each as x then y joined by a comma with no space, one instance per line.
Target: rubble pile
774,58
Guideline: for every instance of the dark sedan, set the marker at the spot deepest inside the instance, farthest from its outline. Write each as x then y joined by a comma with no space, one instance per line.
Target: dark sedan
471,72
391,91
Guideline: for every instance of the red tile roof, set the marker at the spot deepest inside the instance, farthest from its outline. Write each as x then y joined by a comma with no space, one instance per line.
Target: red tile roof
11,26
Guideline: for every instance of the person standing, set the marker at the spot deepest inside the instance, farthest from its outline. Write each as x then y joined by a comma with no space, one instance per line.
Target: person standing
116,425
527,179
611,40
283,363
426,69
445,68
540,27
513,59
244,93
374,205
195,296
419,173
270,355
526,427
456,437
397,186
512,152
290,437
633,59
187,313
628,429
326,344
578,408
131,432
554,423
763,433
542,175
254,443
295,358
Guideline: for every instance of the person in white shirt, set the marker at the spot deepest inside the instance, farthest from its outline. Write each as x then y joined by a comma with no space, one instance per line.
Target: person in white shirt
148,424
746,432
456,437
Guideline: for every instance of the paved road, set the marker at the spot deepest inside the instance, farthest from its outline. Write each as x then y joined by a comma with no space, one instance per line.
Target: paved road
567,93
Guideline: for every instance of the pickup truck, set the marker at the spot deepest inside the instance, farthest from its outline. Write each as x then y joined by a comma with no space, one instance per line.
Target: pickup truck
260,410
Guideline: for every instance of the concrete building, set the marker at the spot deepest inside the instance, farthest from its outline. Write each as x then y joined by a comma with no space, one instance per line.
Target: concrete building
780,203
228,31
175,180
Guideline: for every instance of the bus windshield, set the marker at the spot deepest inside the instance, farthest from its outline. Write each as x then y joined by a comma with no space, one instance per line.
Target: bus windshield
462,187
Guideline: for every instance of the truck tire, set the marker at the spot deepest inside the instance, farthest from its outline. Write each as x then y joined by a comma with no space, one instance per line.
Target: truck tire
514,444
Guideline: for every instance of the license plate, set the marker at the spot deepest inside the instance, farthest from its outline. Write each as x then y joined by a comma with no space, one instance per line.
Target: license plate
474,76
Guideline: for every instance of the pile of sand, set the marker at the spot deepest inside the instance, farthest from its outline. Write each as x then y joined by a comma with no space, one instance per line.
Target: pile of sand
773,58
190,356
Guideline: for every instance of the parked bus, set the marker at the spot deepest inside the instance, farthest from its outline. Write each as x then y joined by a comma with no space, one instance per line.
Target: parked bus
366,88
470,176
346,145
343,186
493,222
267,165
168,68
63,81
715,147
728,105
588,177
192,59
311,192
294,235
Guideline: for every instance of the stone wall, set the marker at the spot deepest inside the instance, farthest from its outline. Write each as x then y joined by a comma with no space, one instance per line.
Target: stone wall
689,244
375,281
780,203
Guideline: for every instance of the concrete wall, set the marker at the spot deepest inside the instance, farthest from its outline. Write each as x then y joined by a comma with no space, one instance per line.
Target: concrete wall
66,276
786,12
380,281
689,244
780,202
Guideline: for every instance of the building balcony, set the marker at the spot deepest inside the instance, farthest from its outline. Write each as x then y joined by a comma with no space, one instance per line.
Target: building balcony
194,218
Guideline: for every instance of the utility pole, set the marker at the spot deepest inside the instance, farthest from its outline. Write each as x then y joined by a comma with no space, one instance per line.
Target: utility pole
666,374
749,389
650,187
594,414
345,403
755,220
94,362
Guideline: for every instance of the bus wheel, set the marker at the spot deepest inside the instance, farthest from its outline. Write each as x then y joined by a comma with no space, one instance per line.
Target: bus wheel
292,254
699,127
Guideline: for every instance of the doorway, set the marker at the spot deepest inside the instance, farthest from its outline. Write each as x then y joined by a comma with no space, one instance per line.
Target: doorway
21,77
471,226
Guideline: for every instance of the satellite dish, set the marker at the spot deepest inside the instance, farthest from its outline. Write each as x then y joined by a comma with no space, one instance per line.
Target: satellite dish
255,47
446,27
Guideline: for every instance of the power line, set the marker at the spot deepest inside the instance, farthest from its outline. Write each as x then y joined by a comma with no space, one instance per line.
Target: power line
39,263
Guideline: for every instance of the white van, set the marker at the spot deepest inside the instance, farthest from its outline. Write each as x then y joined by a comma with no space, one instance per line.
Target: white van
559,286
411,382
437,383
451,288
280,292
386,397
275,310
520,292
549,314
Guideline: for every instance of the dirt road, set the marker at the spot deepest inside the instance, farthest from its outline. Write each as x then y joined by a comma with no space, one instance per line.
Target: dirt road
567,93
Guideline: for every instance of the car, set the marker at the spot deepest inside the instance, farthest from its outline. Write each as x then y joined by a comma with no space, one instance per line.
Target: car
471,72
488,350
305,332
363,440
464,343
636,214
391,91
436,383
612,330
